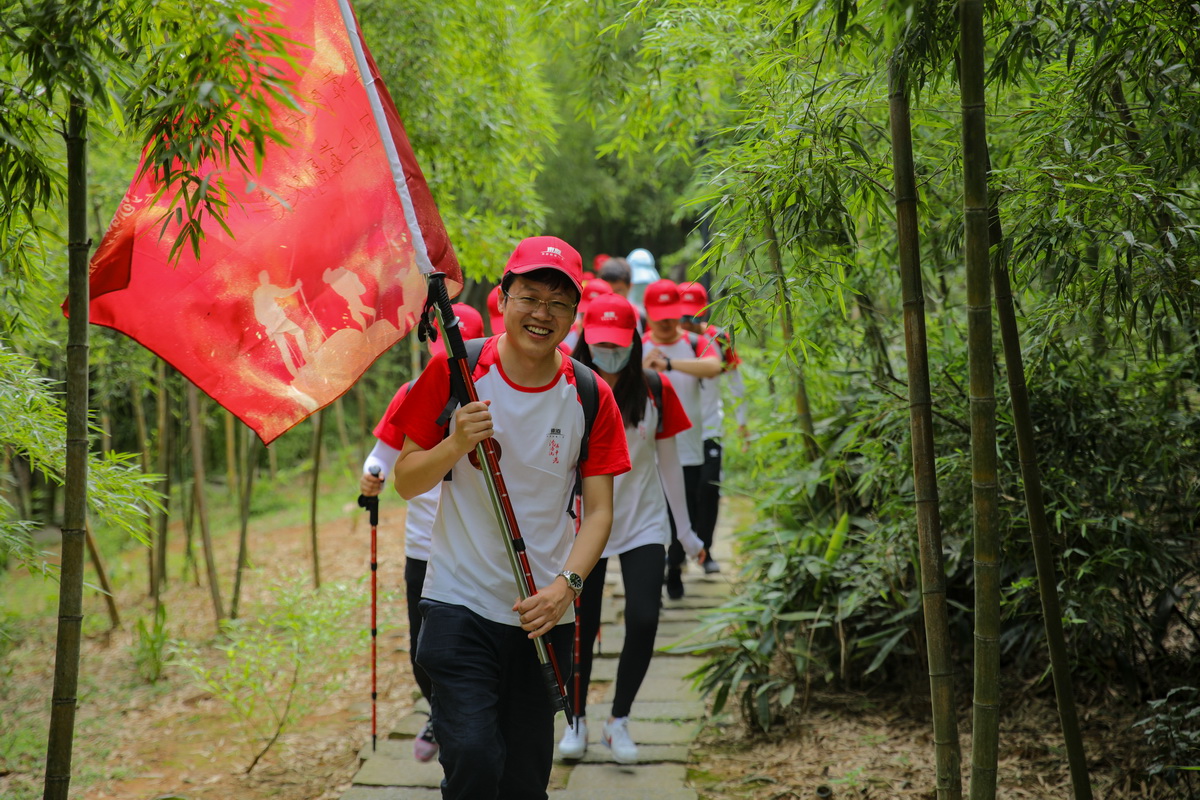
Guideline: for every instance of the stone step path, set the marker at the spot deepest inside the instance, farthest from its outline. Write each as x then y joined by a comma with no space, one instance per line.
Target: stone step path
667,715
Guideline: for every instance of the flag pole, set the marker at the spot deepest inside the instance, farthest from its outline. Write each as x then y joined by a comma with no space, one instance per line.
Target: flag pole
385,134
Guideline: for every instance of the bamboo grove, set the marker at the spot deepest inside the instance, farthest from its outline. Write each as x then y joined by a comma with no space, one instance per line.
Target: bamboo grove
883,188
966,143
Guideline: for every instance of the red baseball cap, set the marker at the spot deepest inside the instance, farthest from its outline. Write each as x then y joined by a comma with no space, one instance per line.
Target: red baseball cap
598,261
494,316
609,318
593,289
470,324
692,299
662,300
547,252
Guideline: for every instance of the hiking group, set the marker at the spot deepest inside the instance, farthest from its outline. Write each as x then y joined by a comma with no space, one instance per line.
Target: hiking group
608,417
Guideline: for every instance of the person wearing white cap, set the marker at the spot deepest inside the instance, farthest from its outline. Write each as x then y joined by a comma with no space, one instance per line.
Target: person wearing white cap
493,717
641,263
653,415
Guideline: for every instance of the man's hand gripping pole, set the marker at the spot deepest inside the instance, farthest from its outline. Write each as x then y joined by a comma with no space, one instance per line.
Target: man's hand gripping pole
488,455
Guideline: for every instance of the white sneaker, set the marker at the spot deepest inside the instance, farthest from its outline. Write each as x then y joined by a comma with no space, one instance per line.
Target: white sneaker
616,736
573,744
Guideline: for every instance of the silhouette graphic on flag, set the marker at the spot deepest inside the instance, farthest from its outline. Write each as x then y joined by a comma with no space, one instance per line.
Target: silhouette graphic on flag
322,273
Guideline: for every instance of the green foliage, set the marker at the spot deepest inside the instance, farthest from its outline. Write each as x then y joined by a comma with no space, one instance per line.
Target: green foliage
282,661
469,83
119,494
149,651
1173,736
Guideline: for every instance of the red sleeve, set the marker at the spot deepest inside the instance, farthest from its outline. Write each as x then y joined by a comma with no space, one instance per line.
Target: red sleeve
608,451
416,417
388,429
674,419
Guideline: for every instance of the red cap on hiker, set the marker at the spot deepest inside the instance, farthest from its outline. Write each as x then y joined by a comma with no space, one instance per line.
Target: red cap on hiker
662,300
692,299
470,323
611,319
495,316
547,252
592,290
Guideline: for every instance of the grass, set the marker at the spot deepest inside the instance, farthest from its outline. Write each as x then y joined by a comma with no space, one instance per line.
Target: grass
28,608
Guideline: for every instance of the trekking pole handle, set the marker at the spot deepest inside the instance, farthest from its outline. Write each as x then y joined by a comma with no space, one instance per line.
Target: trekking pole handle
371,504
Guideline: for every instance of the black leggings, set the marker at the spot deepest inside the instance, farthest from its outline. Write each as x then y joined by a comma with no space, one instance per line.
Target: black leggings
414,582
642,571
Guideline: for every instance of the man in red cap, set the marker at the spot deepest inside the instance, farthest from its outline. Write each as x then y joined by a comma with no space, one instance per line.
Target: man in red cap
693,305
493,717
688,360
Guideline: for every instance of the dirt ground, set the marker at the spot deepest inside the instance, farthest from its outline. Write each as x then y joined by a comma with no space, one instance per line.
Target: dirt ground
137,742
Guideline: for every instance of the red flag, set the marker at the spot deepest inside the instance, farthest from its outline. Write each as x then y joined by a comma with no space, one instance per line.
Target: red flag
323,272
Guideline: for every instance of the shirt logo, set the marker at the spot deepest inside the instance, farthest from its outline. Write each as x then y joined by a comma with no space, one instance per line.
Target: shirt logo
554,446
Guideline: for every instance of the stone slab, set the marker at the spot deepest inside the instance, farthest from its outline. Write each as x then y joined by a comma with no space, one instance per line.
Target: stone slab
609,793
384,770
647,754
676,668
407,727
649,779
391,793
661,689
653,710
668,634
644,732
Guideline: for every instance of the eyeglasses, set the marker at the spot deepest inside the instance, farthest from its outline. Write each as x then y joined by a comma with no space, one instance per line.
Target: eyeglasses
528,305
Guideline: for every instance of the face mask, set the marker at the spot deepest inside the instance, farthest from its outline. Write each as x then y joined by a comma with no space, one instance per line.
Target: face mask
611,360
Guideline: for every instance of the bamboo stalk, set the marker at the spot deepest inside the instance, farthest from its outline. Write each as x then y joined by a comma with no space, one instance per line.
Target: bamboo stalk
803,409
106,588
162,518
70,592
985,726
249,465
947,750
197,435
318,430
232,482
1039,526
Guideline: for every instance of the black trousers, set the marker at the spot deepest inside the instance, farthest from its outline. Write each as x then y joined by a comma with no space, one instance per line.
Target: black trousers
414,582
691,485
641,570
492,715
708,494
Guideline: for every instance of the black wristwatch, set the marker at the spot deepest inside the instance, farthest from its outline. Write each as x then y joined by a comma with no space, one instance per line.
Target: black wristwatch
668,359
573,580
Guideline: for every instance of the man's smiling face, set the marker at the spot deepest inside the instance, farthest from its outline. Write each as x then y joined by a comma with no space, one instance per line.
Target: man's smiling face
537,331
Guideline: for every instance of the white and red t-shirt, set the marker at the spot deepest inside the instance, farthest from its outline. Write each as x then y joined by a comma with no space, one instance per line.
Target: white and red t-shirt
639,505
711,406
418,521
691,441
539,431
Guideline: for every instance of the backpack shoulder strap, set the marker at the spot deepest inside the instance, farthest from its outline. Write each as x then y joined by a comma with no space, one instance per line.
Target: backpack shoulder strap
458,392
589,398
474,348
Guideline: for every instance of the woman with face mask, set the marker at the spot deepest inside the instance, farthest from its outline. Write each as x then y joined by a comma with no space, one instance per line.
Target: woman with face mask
641,530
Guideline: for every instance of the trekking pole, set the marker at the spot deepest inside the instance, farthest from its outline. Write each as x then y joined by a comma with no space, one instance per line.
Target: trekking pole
371,504
487,452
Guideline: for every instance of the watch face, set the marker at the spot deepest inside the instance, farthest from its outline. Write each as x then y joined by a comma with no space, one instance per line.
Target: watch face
573,580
